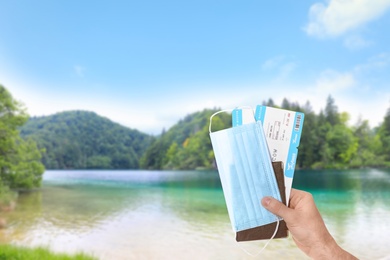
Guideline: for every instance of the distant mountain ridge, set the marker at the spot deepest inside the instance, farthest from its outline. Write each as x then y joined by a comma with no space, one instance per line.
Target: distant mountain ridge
85,140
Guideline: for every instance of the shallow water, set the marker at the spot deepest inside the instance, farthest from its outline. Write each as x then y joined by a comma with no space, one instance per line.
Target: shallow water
176,215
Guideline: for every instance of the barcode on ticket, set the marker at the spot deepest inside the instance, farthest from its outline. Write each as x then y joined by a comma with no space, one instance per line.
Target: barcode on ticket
298,122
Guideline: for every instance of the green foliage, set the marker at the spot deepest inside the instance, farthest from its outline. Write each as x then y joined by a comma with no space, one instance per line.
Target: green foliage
21,253
310,137
186,145
327,141
79,139
20,166
84,140
369,151
331,112
7,196
339,145
384,136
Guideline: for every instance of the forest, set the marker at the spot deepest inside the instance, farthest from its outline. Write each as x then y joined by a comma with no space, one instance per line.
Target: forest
328,140
85,140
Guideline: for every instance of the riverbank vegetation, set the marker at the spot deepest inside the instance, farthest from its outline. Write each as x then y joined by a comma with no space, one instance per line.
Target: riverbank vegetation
20,159
22,253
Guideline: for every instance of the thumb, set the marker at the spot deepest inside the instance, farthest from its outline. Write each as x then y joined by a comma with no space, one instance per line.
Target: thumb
276,207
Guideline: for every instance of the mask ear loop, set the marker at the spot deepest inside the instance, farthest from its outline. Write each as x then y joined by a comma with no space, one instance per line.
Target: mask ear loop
266,244
228,110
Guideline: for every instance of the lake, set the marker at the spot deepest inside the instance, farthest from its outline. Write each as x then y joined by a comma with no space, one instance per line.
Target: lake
182,215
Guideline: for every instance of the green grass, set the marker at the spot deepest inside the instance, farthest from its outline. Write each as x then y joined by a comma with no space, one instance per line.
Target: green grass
10,252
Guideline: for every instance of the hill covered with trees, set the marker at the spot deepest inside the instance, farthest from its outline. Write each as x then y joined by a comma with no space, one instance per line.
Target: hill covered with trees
85,140
187,144
328,140
81,140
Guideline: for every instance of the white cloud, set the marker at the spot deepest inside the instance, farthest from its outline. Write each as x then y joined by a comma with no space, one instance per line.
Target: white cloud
332,81
153,114
371,105
338,17
373,108
355,91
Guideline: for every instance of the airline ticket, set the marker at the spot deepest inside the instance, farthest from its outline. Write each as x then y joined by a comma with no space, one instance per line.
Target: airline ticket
283,130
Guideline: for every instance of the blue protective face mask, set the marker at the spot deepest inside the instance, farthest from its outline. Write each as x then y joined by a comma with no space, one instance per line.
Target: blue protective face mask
246,173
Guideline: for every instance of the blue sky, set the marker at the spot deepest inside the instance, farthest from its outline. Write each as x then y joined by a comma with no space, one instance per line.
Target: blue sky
146,64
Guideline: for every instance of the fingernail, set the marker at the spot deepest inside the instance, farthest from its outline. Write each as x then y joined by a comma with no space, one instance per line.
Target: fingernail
266,201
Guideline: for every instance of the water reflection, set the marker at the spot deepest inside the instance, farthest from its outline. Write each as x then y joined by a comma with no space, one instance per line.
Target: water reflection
370,187
354,204
132,214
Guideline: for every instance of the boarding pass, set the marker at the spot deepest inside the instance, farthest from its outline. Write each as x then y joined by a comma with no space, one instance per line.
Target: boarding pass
283,130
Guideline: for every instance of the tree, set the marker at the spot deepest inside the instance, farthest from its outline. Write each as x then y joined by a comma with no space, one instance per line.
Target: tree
83,139
369,148
269,103
186,145
331,111
384,135
286,104
342,143
309,140
20,165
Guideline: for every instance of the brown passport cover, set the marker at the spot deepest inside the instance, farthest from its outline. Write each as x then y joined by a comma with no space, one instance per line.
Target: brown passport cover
266,231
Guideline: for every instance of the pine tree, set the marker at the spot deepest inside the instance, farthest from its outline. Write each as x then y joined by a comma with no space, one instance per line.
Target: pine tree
331,111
